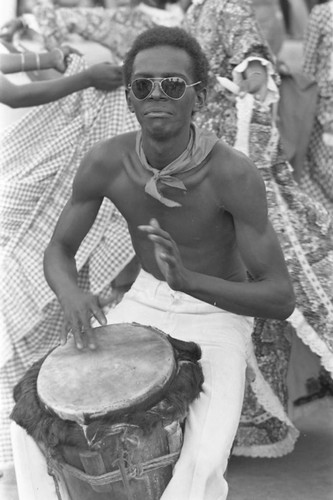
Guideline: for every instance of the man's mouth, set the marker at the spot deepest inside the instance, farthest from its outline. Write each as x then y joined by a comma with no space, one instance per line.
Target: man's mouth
157,113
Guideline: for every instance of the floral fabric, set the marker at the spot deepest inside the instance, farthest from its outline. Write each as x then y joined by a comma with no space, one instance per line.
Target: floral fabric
229,32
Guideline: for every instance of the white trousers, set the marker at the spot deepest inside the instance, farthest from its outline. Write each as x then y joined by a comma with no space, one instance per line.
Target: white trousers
214,416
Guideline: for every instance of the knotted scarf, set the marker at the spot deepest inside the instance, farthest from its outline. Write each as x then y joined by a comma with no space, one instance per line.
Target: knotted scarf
199,146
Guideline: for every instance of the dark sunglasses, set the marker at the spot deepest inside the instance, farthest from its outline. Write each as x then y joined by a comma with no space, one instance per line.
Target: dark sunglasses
172,86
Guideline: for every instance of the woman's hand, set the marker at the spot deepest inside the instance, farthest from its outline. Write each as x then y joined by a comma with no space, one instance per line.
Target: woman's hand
8,30
106,76
59,57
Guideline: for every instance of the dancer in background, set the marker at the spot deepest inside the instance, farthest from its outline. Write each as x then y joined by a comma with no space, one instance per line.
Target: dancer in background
317,178
269,16
55,137
40,155
237,52
114,28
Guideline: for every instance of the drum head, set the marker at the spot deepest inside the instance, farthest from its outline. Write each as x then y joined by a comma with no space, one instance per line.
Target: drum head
131,367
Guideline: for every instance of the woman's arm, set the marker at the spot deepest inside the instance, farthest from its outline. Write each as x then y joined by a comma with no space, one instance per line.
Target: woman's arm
31,61
102,76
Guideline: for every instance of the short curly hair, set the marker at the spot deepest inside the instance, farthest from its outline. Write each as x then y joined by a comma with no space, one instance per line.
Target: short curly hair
173,37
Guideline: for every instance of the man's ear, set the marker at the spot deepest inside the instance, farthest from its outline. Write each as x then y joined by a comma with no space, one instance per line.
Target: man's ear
129,101
200,99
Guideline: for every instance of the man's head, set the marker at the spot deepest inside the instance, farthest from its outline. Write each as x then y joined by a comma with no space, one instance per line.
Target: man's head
165,74
172,37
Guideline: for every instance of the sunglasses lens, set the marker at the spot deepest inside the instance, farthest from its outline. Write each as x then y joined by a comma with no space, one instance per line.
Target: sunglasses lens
141,88
174,87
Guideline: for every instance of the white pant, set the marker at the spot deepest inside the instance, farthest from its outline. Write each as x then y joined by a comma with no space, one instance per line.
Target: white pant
213,418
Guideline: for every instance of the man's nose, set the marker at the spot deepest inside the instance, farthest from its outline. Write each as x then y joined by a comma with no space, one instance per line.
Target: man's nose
157,92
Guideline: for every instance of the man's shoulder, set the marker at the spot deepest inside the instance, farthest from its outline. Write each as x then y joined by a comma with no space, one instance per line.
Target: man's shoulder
236,180
230,163
111,150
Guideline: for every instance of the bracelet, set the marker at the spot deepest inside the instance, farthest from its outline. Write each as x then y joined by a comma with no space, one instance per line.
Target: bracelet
22,61
37,61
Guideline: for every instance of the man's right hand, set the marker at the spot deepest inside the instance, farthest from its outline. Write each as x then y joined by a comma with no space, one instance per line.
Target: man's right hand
79,307
105,76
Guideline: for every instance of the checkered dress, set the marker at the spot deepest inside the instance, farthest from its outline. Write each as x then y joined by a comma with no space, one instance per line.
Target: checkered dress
40,156
317,177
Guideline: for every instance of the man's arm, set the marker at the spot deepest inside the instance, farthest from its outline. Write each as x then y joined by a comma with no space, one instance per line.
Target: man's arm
59,258
270,294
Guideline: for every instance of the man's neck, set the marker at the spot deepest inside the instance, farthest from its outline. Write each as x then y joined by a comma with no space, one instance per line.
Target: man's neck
159,154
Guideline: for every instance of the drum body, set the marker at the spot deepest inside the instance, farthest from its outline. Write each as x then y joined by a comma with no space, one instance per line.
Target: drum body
109,421
128,464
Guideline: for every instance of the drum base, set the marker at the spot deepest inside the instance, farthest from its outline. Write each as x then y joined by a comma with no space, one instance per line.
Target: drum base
130,465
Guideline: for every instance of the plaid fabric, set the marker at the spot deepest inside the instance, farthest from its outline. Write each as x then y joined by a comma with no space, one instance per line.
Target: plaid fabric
318,47
317,173
317,176
40,156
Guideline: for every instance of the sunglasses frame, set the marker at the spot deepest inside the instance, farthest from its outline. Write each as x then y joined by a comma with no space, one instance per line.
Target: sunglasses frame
159,81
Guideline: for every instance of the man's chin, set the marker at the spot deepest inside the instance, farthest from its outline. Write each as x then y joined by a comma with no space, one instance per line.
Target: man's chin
159,129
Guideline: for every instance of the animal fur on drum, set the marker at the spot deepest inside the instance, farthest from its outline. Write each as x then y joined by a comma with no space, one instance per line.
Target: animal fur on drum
46,427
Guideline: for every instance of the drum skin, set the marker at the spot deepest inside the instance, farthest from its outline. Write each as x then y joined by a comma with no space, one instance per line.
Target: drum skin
130,368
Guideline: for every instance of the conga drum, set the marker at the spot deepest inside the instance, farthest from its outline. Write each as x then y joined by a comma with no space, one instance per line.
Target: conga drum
109,420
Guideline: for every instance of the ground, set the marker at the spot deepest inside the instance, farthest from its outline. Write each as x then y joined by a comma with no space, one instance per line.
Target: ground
304,474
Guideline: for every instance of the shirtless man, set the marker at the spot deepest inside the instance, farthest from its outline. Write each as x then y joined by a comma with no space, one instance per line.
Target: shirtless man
199,227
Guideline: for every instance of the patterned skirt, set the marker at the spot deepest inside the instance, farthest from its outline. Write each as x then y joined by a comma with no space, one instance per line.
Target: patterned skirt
305,232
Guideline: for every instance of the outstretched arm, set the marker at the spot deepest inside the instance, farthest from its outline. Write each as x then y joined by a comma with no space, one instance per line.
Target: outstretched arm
102,76
31,61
